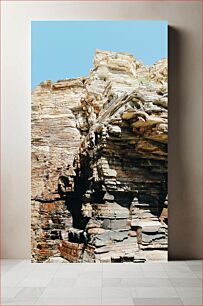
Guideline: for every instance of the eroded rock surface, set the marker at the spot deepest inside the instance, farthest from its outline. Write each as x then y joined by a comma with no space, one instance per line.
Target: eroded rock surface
99,163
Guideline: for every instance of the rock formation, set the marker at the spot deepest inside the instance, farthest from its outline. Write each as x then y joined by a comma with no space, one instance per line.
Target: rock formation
99,164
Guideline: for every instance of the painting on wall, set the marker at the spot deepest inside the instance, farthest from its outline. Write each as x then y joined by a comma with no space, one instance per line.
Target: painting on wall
99,141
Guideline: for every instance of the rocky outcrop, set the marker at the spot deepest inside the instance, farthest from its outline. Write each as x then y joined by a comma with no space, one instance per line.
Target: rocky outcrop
99,163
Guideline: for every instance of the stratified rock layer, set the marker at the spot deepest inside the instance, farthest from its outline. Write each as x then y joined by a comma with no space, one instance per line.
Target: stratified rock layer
99,164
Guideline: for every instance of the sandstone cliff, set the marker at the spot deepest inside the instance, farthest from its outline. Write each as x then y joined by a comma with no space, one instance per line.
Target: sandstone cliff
99,163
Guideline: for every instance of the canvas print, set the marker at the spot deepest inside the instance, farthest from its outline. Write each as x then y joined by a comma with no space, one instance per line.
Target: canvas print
99,141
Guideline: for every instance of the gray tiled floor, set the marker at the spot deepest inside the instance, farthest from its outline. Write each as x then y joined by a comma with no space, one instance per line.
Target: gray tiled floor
153,283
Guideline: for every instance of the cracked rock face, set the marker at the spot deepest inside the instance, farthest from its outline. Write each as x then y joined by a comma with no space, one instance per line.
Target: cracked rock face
99,164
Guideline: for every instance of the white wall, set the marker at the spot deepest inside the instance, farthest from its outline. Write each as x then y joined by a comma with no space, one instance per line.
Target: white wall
185,112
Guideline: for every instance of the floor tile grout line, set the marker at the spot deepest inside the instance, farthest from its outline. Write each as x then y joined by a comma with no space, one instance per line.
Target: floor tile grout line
23,278
102,282
46,286
190,272
179,296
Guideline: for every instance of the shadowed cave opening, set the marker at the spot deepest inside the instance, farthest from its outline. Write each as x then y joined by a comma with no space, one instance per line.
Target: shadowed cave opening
74,189
81,182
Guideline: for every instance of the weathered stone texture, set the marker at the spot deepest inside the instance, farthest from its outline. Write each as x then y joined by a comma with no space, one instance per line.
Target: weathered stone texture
99,163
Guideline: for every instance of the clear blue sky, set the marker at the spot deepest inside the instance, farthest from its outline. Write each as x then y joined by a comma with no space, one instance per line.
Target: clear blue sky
65,49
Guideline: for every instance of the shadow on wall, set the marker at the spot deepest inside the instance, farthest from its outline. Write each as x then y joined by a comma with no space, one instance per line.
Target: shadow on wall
181,201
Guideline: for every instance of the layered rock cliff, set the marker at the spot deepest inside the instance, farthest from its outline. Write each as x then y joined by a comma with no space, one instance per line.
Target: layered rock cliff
99,163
